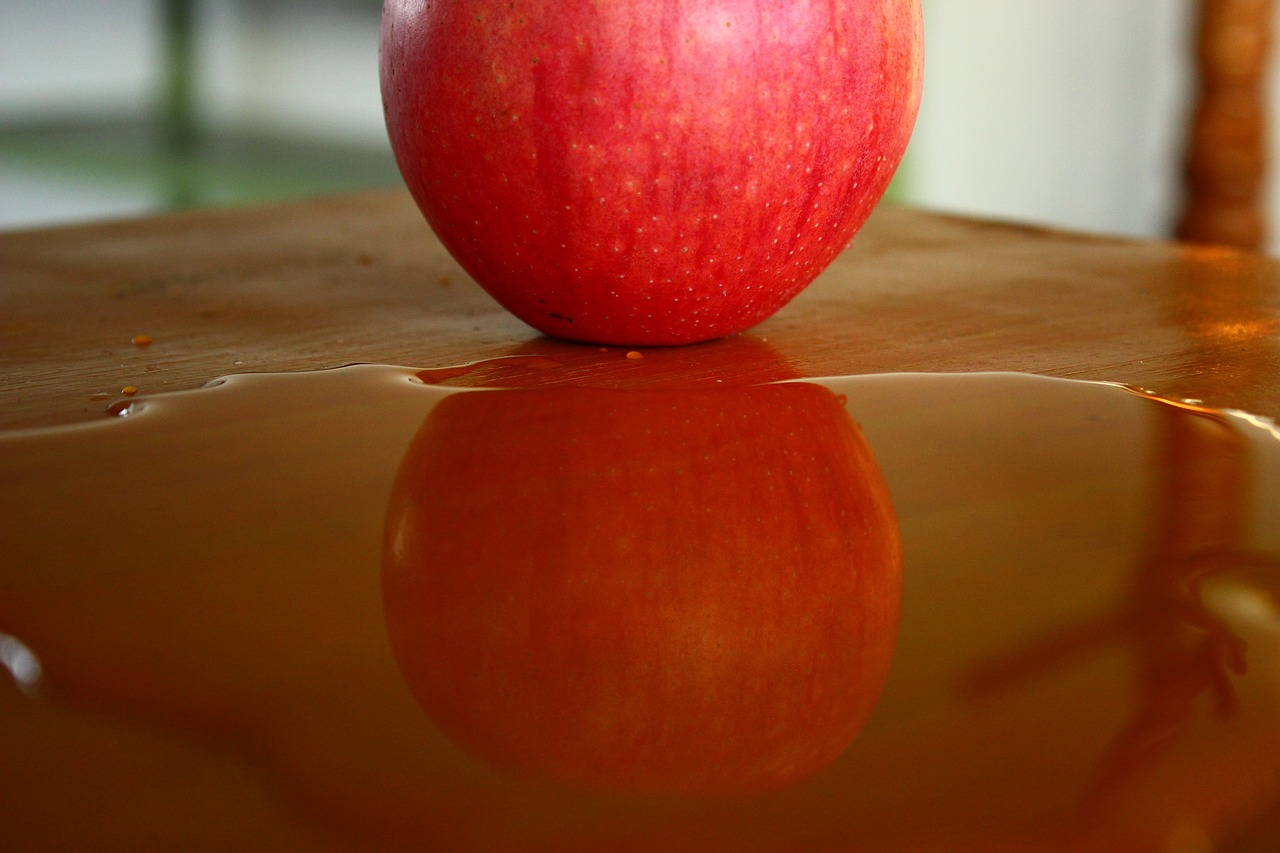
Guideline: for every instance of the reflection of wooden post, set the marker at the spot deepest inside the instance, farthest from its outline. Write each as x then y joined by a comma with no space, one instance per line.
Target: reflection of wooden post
1226,159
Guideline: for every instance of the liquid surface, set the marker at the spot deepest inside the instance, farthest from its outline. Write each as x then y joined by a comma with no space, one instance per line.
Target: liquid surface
208,644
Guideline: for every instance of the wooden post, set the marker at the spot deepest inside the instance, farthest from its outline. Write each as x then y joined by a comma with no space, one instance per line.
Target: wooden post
1227,154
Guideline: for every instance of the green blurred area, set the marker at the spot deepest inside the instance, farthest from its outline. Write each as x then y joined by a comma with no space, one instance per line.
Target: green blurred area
168,155
210,168
141,155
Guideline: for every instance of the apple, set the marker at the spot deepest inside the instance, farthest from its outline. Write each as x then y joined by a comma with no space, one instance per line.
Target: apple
692,590
648,173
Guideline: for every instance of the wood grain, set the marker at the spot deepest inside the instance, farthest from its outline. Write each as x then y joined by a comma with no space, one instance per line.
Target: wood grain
361,279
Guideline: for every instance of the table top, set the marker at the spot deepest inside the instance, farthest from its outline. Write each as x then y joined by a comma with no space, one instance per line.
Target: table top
921,599
361,279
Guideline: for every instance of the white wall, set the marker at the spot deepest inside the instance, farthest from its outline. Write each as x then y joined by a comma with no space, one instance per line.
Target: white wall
303,67
1059,112
71,55
1065,112
307,66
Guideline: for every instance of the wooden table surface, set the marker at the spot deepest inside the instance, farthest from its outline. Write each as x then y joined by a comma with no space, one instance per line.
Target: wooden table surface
361,279
203,593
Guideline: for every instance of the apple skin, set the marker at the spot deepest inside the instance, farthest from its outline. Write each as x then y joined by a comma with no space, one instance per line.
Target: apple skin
648,173
689,591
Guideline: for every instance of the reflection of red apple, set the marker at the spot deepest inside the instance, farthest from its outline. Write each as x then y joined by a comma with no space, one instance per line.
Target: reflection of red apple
648,172
692,590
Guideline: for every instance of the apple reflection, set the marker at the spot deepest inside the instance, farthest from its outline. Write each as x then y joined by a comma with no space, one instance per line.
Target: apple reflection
692,591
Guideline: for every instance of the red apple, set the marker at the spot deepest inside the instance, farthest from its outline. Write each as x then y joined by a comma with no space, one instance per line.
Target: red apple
641,172
660,590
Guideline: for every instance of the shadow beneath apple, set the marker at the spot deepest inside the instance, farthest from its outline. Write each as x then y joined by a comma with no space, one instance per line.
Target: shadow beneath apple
547,362
688,591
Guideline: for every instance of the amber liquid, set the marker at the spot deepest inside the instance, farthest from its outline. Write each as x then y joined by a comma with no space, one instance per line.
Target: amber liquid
1088,655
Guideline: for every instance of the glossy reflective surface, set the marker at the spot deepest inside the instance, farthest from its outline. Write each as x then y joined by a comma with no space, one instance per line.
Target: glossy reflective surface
248,616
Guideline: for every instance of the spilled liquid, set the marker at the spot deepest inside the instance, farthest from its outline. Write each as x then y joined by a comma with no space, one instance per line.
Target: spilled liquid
356,610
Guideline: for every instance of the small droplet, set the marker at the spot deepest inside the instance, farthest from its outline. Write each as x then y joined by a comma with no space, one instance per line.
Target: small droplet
21,662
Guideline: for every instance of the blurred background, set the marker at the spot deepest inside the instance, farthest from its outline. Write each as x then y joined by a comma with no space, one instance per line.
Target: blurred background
1066,113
